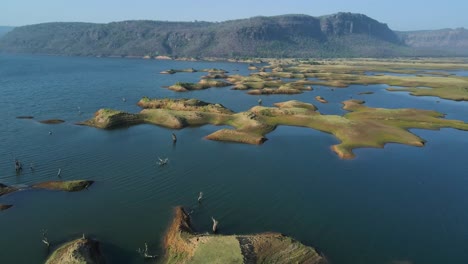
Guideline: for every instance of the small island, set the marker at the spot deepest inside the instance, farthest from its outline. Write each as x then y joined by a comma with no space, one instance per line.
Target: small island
201,85
66,186
262,84
82,250
321,99
183,245
293,76
52,121
172,71
360,128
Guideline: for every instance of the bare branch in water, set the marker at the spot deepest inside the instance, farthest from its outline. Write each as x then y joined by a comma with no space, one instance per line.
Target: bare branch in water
200,197
44,238
144,253
215,225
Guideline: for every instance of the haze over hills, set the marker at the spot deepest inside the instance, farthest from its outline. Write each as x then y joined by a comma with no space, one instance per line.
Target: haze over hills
4,30
438,41
337,35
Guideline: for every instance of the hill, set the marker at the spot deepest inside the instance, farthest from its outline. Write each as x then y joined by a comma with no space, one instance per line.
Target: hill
4,30
451,41
337,35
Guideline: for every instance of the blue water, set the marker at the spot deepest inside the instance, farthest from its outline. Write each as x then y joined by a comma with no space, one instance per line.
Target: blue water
399,203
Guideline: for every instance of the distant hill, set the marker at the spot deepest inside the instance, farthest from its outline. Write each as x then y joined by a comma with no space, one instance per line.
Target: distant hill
337,35
453,41
4,30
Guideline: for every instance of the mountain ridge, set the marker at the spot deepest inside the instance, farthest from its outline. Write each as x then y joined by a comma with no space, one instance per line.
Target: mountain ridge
293,35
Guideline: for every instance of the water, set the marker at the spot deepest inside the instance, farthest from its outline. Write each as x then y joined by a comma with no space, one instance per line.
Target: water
393,204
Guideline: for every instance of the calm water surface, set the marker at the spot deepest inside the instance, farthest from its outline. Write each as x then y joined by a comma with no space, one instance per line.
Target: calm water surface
399,203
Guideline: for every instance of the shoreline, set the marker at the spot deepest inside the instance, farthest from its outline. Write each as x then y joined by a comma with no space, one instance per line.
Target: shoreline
255,60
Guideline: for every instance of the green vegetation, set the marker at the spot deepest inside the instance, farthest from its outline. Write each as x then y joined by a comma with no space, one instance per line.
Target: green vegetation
214,71
219,249
109,118
183,245
418,76
79,251
201,85
286,36
258,84
362,127
172,71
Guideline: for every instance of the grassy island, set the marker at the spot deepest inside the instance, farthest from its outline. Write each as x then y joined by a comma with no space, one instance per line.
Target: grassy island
360,128
258,84
183,245
109,118
415,76
201,85
210,71
172,71
82,250
419,77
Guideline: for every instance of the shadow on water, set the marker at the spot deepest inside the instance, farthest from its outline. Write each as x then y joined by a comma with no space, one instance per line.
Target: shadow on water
120,255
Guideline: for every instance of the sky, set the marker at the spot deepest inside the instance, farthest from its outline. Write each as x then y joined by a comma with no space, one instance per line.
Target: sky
398,14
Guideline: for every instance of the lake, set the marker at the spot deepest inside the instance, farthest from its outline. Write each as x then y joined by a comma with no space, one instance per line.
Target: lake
400,203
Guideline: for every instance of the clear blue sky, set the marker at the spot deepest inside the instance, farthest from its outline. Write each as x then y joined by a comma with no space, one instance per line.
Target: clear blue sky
398,14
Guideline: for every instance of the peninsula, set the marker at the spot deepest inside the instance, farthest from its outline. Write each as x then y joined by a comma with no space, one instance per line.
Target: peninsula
183,245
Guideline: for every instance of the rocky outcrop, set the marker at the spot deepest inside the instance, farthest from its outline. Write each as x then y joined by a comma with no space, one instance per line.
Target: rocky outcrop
80,251
348,23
